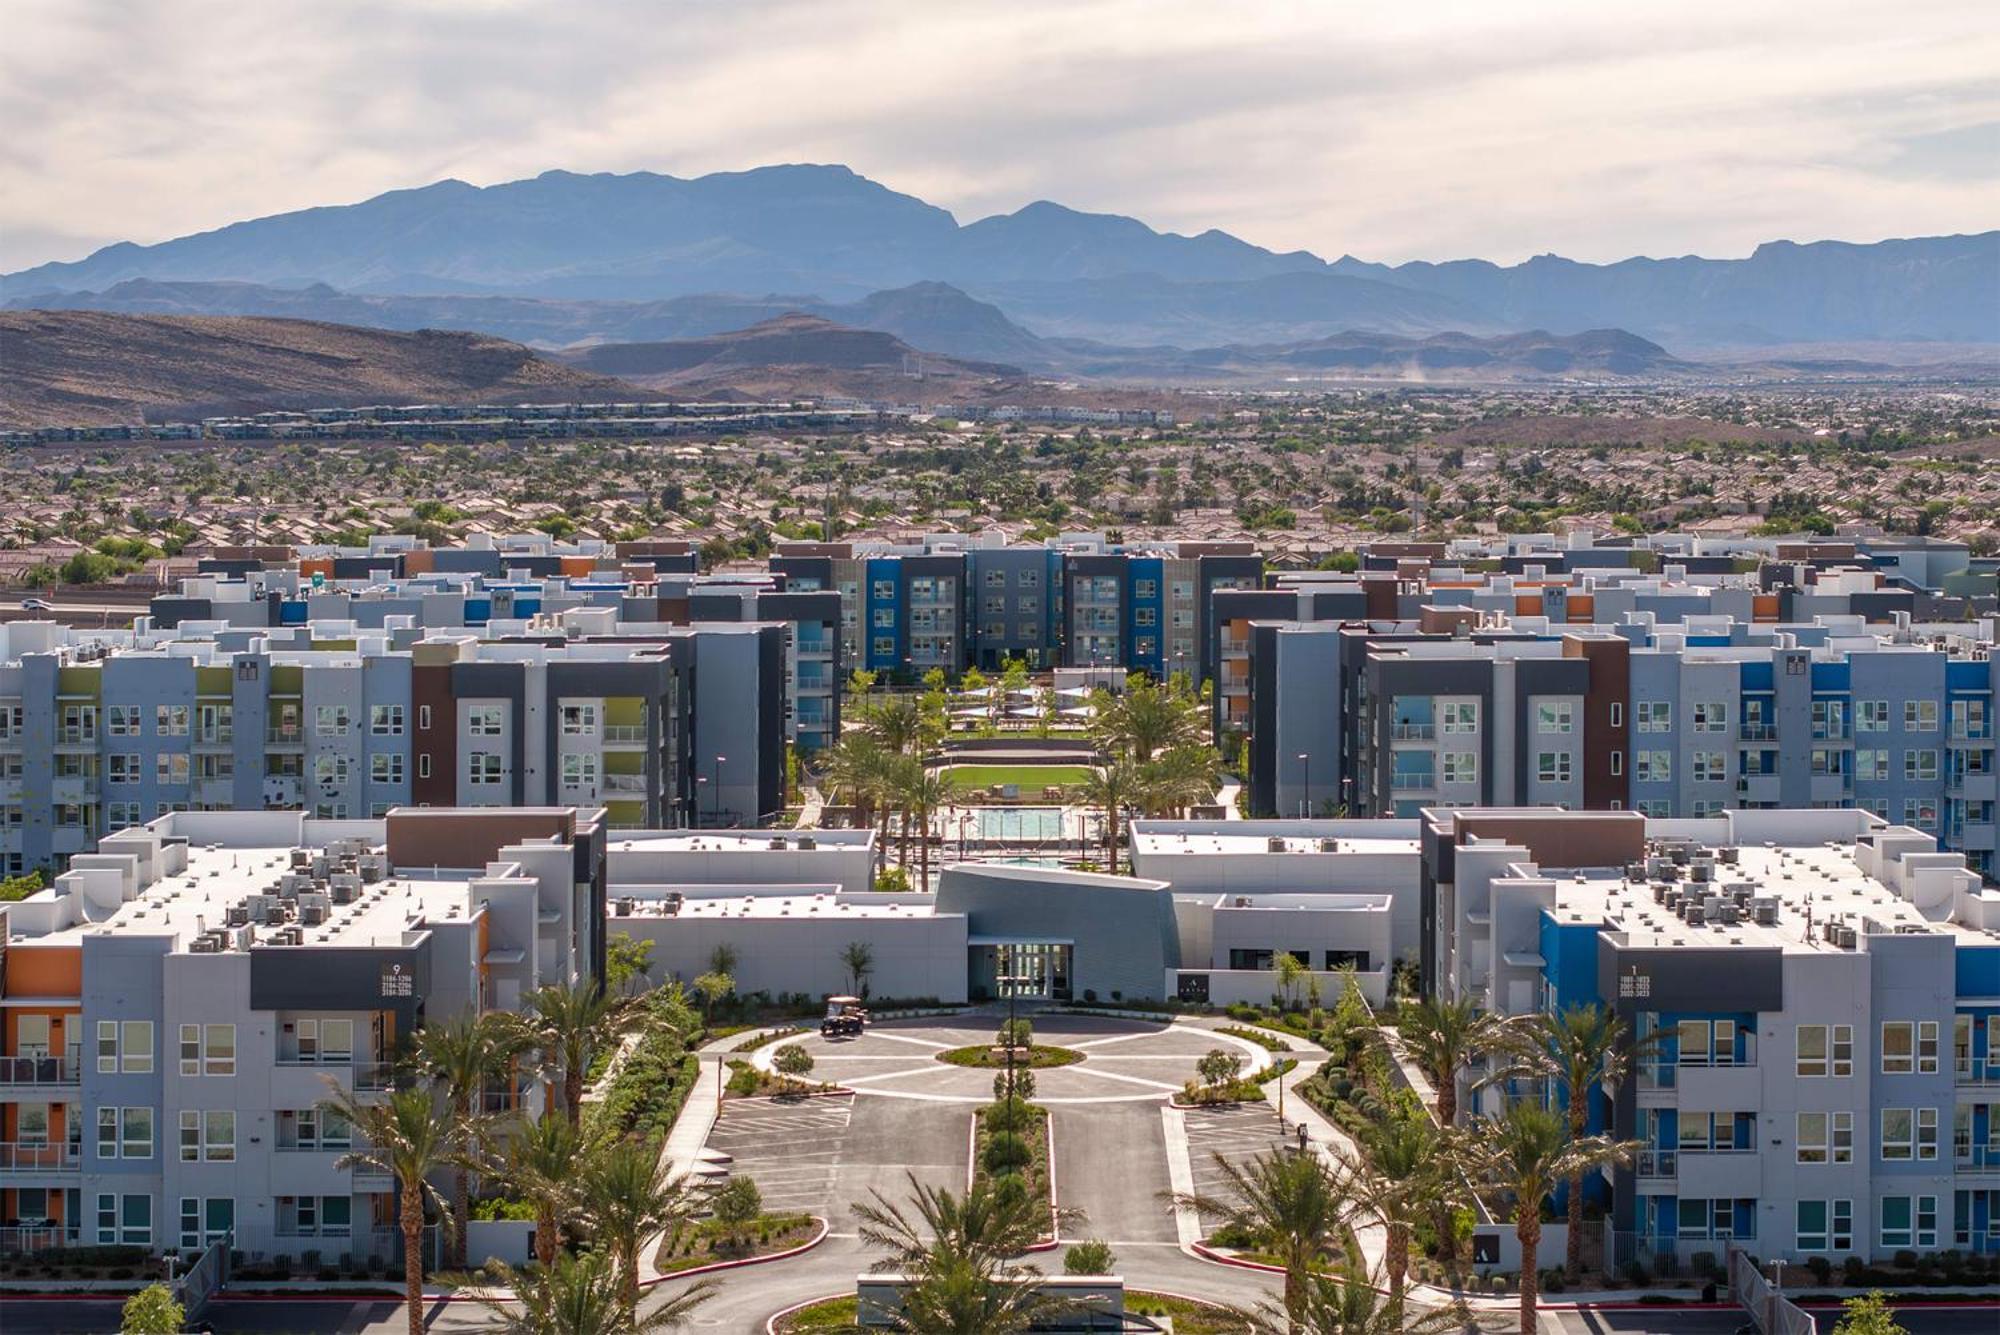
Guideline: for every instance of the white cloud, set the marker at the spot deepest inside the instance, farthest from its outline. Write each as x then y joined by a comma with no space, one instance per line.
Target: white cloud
1390,132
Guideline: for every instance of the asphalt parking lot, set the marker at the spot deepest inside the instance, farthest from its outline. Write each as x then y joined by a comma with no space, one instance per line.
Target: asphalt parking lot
792,1150
1238,1134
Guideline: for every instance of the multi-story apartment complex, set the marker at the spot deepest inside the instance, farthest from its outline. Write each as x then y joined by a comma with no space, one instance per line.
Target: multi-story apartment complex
954,601
103,731
177,1004
1816,992
1708,716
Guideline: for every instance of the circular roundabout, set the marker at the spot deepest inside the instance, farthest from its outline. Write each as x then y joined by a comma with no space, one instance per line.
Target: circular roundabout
1076,1059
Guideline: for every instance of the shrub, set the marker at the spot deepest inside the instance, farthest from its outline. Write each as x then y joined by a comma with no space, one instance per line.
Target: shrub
1023,1087
1007,1115
1006,1152
792,1061
1016,1033
1219,1066
737,1204
1090,1257
151,1311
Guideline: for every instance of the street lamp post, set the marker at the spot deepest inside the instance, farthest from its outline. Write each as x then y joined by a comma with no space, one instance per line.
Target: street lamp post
1305,761
715,792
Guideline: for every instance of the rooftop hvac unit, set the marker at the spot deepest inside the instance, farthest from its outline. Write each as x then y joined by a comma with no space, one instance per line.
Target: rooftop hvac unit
1635,871
624,908
1845,937
1731,914
1329,845
238,916
301,858
778,842
343,893
312,915
204,945
1242,901
806,841
1700,871
1275,844
1726,856
276,914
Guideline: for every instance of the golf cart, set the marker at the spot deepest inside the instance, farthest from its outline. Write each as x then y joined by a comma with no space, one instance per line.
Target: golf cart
844,1018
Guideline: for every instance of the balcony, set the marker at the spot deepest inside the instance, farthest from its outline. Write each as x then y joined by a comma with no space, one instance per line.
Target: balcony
1413,780
23,1157
215,739
1655,1163
1412,732
1758,732
1978,1161
363,1074
623,783
283,735
40,1072
1977,1072
625,734
27,1239
77,735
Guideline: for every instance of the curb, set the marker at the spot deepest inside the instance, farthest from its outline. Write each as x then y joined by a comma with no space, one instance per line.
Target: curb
713,1267
771,1322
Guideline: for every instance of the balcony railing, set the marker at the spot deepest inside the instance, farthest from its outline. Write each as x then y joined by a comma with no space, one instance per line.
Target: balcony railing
1655,1163
366,1075
1978,1160
283,736
1409,781
625,733
21,1157
1977,1071
623,783
1758,732
1668,1074
38,1070
26,1239
75,735
1412,732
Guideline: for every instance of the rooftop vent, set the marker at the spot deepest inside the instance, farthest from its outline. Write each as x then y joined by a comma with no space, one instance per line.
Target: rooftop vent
1275,844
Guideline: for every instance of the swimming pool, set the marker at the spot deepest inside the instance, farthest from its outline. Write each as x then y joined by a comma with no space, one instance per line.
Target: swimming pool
1019,824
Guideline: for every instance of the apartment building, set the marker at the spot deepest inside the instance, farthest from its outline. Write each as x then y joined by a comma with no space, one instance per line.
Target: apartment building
1684,721
177,1004
1819,994
104,731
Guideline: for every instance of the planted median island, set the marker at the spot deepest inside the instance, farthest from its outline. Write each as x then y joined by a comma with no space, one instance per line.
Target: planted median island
1010,1137
1014,1047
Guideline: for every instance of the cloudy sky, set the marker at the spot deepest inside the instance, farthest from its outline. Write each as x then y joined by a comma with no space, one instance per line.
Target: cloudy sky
1435,129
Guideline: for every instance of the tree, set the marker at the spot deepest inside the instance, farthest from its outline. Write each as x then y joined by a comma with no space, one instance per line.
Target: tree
406,1137
1296,1201
793,1062
1111,788
1090,1257
736,1205
463,1054
1870,1314
1219,1067
1522,1154
151,1311
711,988
1177,779
1349,1305
570,1023
628,962
1406,1175
1443,1038
631,1195
540,1160
926,793
1290,971
1146,719
575,1295
1584,1049
724,958
858,958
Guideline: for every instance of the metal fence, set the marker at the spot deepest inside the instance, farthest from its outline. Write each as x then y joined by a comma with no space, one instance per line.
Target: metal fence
204,1279
1774,1313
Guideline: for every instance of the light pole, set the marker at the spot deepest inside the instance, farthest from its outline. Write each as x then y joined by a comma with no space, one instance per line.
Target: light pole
1305,761
715,792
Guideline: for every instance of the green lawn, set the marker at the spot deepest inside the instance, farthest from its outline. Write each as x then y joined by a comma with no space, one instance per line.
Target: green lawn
1031,778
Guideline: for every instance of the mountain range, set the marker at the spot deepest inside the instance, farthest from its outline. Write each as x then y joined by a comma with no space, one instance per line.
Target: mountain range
618,251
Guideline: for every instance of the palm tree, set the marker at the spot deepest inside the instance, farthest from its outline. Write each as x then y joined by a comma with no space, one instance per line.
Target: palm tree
955,1252
408,1137
629,1196
1349,1305
858,958
570,1023
1298,1201
1523,1154
1179,778
573,1295
1407,1176
1444,1037
542,1160
1146,720
1584,1049
465,1054
926,794
1111,789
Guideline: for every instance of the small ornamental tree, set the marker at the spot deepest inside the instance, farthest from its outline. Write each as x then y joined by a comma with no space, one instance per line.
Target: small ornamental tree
151,1311
1017,1033
1870,1314
793,1062
736,1206
1089,1257
1219,1067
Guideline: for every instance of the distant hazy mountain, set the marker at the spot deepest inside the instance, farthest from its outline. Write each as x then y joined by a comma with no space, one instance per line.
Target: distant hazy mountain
834,238
1597,355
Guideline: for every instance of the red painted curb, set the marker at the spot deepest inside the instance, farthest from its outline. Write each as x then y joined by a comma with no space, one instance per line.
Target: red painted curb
814,1241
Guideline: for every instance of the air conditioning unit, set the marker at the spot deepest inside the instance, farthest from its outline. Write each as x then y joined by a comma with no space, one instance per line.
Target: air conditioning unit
312,915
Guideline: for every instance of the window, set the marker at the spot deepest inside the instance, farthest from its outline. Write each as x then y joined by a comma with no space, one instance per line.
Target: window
122,815
1145,588
1898,1047
1908,1221
135,1221
1708,767
121,721
1655,716
202,1225
330,721
579,720
1920,812
1920,716
107,1218
1871,716
330,769
1829,718
386,768
1825,1137
483,767
336,1040
579,770
1617,713
1553,767
170,767
385,720
190,1049
485,720
1810,1232
1145,616
424,717
122,767
170,720
208,1049
1653,766
1711,716
190,1136
1920,764
1554,716
1461,767
885,618
1927,1047
424,765
218,1138
1617,763
1899,1138
135,1133
1461,716
1871,765
1707,1043
884,647
125,1046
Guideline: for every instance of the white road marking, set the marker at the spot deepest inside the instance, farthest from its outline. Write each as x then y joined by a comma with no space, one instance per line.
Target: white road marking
1180,1175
